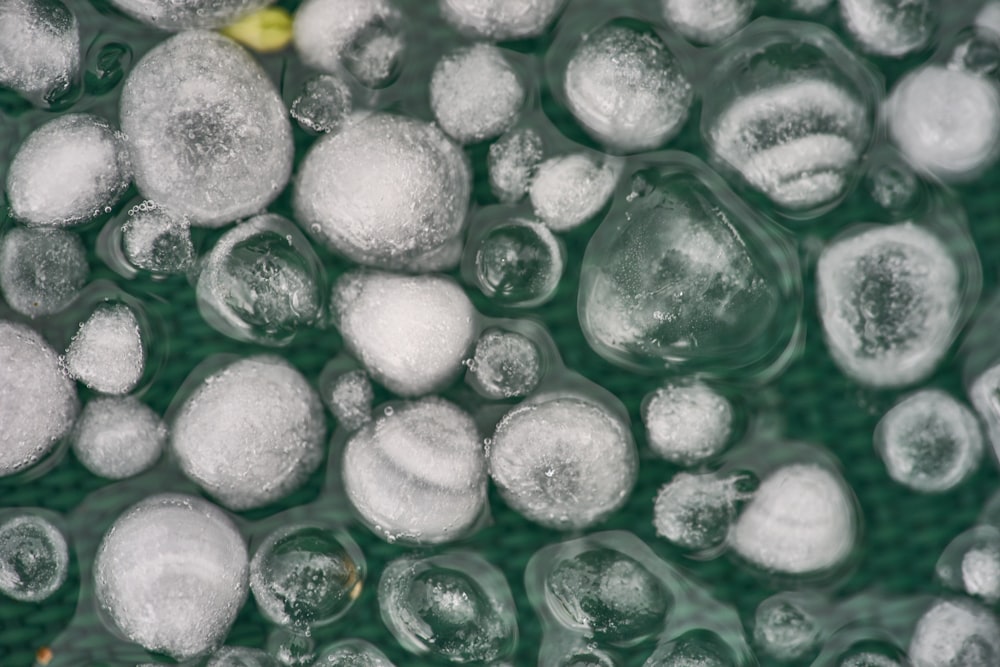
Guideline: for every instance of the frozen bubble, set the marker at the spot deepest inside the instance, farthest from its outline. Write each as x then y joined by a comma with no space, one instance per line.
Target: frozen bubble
687,423
889,302
946,121
352,653
562,461
117,438
984,393
171,574
291,649
512,161
208,133
251,432
626,88
570,189
349,396
956,633
41,270
384,191
696,511
801,520
362,36
157,240
457,606
929,441
505,364
893,186
475,93
417,473
410,332
871,659
108,353
262,282
981,573
889,27
34,558
39,47
588,657
181,14
607,595
519,263
501,19
707,22
241,656
305,576
971,563
323,104
37,401
784,631
68,171
696,648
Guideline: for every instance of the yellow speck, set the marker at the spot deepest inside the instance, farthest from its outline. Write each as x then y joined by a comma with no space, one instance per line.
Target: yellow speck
43,656
267,31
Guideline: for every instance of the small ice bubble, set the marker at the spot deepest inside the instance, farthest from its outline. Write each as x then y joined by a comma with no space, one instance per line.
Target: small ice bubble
971,563
171,574
505,364
39,47
352,653
518,262
696,511
889,27
117,438
251,433
956,633
158,241
41,270
784,631
410,332
67,171
707,21
889,302
108,353
981,573
323,104
801,520
183,14
417,473
38,403
687,423
696,648
512,161
291,649
241,656
349,397
501,20
562,461
588,657
570,189
34,558
929,441
893,186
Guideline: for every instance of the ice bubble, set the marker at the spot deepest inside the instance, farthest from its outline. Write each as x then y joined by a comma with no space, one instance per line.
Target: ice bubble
362,36
984,393
39,48
304,576
34,558
707,22
588,657
410,332
889,302
801,520
241,656
626,88
417,473
181,14
872,659
894,187
41,270
687,423
501,19
696,648
349,396
251,432
518,262
512,161
171,574
981,573
569,190
696,511
971,563
323,104
457,606
384,191
506,364
38,402
929,441
784,631
352,653
117,438
889,27
291,649
156,240
945,120
208,133
562,461
956,633
68,171
262,282
108,353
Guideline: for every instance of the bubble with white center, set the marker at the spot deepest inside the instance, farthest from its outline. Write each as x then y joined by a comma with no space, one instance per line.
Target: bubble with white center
891,28
955,632
323,105
501,20
785,631
34,558
505,365
970,564
118,437
352,653
349,396
108,352
512,161
518,262
695,648
569,190
706,22
41,270
696,512
687,423
154,239
39,48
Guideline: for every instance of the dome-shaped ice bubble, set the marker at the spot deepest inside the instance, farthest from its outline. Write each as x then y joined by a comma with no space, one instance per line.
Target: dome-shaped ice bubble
956,632
889,27
181,14
118,437
41,270
707,21
39,47
171,574
501,19
208,134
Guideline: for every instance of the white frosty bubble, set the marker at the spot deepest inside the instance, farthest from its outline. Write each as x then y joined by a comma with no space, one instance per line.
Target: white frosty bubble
410,332
889,302
570,189
241,656
512,161
501,19
889,27
250,433
687,423
417,473
208,133
385,191
707,21
946,121
956,633
696,511
971,563
118,437
171,574
108,353
323,104
68,171
505,365
801,520
352,653
157,240
181,14
981,573
784,631
929,441
350,397
34,558
37,401
475,93
41,270
39,47
518,262
562,461
984,393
